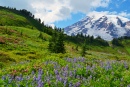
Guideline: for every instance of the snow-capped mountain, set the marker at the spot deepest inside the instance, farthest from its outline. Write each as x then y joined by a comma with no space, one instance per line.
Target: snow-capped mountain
107,27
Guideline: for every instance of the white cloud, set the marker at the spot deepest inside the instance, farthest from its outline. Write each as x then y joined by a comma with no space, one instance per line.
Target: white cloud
124,14
103,13
101,3
61,10
51,11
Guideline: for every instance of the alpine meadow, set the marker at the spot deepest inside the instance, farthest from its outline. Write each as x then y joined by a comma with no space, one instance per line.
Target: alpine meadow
34,54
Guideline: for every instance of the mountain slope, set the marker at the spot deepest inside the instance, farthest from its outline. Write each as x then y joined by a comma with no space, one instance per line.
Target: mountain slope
20,18
108,27
20,43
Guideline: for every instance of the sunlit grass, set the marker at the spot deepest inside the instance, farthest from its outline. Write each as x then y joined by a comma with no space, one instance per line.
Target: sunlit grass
26,52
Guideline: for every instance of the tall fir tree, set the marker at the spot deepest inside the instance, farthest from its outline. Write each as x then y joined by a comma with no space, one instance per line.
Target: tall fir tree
60,43
56,44
83,51
52,42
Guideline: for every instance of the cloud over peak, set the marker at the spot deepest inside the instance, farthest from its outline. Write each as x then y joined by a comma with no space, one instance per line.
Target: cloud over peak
51,11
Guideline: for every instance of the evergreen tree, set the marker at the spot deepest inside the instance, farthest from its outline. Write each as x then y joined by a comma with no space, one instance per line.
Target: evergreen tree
60,44
83,51
56,44
52,42
116,42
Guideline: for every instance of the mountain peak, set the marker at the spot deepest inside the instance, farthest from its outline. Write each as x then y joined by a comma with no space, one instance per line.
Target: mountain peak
105,26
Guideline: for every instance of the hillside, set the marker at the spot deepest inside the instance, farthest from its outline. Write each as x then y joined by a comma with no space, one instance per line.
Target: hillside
21,18
25,59
20,38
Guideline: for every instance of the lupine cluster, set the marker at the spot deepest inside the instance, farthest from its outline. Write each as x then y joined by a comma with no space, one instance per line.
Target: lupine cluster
76,72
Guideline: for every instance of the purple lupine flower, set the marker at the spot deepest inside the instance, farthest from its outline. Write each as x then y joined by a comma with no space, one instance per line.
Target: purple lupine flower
3,77
68,59
40,71
10,80
40,83
75,60
20,78
66,68
77,84
39,77
56,72
33,73
65,73
108,66
78,65
70,74
82,59
65,83
88,68
17,78
55,66
58,78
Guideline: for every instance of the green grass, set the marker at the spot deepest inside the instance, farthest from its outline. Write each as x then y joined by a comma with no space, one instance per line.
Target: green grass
22,49
23,44
10,18
128,49
27,45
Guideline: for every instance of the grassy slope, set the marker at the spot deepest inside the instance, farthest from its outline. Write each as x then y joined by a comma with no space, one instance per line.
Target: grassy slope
21,44
9,18
127,45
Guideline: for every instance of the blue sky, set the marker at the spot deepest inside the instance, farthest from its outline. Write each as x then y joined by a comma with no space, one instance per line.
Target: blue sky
74,18
62,13
119,6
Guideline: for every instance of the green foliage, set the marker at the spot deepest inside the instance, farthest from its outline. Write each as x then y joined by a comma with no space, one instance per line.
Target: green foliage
1,65
76,48
56,44
90,40
60,43
55,71
22,51
83,50
6,58
22,18
40,36
116,42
